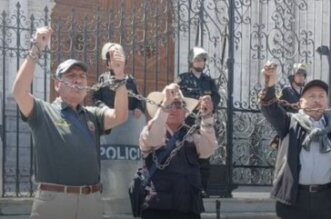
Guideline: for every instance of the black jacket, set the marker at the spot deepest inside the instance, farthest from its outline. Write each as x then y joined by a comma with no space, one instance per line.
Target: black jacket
287,168
194,87
178,186
106,96
291,96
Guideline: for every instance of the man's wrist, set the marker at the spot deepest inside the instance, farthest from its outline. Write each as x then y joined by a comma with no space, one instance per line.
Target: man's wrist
117,84
119,87
207,122
207,115
34,53
165,107
32,56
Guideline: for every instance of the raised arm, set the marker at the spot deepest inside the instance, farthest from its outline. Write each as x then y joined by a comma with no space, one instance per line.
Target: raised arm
22,84
270,107
138,103
205,141
119,114
153,134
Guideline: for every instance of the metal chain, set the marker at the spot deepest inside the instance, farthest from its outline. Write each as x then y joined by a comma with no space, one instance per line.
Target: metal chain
113,84
295,106
283,103
179,145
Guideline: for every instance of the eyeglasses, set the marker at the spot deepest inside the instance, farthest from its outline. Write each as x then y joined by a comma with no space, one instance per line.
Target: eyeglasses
177,105
74,75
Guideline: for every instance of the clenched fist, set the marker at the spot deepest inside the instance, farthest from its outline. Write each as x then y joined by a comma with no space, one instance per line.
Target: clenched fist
117,61
206,106
42,37
171,92
270,74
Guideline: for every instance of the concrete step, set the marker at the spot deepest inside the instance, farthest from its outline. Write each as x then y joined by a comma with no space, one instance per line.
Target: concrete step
245,199
239,205
246,215
204,216
247,203
15,206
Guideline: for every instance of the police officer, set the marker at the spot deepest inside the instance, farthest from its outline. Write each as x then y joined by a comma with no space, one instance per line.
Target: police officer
106,96
196,84
297,80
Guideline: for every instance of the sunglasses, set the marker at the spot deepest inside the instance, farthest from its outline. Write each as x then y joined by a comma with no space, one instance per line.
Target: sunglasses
177,105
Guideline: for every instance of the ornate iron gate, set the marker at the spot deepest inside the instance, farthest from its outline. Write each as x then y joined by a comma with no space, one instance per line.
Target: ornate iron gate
240,36
285,32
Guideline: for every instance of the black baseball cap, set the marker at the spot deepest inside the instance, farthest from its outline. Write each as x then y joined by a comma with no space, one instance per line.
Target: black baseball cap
67,64
315,83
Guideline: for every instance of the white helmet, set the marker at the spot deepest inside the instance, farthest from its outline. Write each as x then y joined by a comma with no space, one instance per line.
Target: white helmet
196,52
300,68
110,46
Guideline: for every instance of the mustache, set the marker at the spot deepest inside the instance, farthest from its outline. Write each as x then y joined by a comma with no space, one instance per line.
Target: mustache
75,86
316,107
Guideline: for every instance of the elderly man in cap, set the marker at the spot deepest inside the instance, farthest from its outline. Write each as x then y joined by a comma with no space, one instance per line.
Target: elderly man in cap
174,190
297,80
66,136
302,178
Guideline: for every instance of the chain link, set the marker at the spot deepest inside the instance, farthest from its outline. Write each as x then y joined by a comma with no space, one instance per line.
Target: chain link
113,84
179,145
295,106
283,103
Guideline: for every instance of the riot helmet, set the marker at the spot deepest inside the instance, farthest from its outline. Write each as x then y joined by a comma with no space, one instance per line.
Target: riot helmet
299,70
196,53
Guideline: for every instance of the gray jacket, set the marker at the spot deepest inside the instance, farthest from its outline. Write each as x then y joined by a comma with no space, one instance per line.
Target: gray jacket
292,133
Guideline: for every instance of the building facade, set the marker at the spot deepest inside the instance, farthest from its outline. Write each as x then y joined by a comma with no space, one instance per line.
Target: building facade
157,35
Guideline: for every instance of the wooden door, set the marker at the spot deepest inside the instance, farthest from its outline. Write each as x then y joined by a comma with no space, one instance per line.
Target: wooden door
141,26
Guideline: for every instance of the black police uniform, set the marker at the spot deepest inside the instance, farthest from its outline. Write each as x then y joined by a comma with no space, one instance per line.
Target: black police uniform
291,96
104,95
194,87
